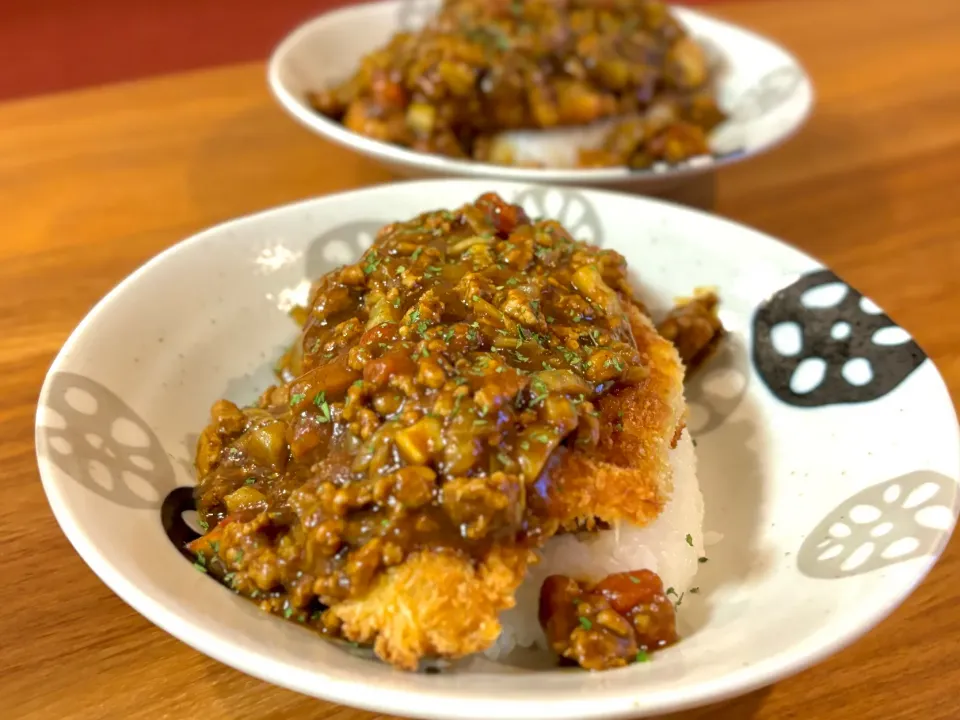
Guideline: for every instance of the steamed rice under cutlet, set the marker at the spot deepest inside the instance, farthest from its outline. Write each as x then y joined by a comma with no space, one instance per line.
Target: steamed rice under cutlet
661,546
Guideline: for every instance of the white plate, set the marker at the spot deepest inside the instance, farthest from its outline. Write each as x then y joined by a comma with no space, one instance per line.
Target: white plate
761,85
795,483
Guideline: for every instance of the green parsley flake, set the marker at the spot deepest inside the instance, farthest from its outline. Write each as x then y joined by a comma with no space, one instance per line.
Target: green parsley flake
321,402
642,656
701,560
249,481
400,270
540,392
200,567
634,580
585,623
689,539
373,260
615,364
296,399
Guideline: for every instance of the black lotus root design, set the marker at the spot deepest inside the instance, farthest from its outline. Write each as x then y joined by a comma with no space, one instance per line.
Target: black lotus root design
175,525
897,520
414,14
769,93
837,335
571,209
97,439
340,245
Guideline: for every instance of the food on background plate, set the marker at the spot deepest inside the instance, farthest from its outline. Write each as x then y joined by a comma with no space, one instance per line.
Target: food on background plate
537,83
477,443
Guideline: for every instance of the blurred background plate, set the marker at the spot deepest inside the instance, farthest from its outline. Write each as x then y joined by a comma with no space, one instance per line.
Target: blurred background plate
761,86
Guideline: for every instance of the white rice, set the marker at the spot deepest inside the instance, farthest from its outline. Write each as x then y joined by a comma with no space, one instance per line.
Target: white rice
661,546
557,148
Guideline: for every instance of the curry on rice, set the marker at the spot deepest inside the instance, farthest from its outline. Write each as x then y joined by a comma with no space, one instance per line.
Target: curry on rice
477,383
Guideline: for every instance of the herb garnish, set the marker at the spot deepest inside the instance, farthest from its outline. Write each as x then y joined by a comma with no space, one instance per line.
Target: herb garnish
321,402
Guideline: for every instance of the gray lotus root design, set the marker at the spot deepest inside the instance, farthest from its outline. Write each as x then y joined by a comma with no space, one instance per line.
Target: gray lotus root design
897,520
97,439
769,93
414,14
340,245
572,209
717,389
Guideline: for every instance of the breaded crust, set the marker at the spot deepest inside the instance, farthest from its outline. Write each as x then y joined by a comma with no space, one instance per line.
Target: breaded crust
443,604
435,604
627,476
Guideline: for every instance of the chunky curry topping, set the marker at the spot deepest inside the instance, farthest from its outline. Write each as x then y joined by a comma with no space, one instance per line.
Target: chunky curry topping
477,382
431,383
482,67
615,622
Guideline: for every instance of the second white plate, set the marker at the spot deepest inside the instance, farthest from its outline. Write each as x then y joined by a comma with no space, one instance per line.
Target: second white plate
763,88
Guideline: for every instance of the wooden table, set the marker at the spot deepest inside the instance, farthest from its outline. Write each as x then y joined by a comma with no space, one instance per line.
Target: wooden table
94,183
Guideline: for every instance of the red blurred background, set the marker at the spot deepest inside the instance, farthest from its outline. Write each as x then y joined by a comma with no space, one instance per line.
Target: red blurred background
53,45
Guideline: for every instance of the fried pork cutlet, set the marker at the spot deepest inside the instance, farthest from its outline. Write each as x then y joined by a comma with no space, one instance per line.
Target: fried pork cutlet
475,384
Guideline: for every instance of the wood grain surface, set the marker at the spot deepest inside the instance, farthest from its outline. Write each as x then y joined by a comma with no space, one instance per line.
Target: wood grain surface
94,183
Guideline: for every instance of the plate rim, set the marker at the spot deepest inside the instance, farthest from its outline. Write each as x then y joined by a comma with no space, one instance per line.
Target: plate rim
427,162
412,701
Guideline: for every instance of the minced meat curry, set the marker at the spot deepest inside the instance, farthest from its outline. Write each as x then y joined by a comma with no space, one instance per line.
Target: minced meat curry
454,399
483,67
